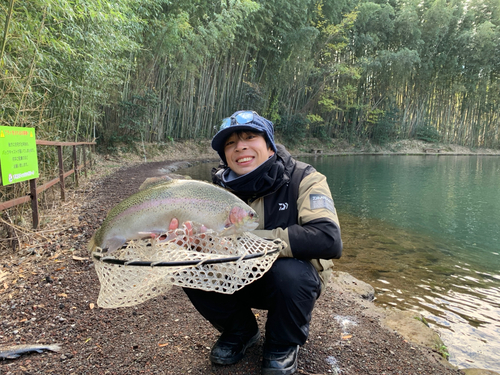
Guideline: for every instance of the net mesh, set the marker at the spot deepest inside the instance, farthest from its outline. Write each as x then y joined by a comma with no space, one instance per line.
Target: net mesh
145,269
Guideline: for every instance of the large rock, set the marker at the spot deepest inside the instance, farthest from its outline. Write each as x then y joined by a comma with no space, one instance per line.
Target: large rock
349,283
407,324
413,329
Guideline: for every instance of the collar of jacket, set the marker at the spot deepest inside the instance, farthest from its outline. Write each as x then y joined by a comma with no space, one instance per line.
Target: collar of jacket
264,180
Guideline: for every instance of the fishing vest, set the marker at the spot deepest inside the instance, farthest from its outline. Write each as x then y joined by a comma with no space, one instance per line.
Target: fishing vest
280,208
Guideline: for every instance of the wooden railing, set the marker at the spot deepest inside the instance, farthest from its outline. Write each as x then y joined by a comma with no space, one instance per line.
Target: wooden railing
35,190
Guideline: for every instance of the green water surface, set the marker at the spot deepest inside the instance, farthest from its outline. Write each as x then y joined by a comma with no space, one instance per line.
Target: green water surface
425,232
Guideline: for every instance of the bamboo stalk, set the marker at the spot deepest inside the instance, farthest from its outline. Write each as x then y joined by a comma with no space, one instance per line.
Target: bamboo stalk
6,29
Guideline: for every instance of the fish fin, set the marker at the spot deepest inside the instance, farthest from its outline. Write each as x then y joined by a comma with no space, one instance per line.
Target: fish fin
171,236
113,243
152,181
228,231
159,180
12,356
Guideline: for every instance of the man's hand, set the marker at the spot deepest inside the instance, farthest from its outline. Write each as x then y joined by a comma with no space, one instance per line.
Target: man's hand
194,236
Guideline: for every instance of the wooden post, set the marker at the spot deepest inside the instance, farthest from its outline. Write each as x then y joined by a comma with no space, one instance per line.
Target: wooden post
75,166
90,155
84,160
61,172
34,203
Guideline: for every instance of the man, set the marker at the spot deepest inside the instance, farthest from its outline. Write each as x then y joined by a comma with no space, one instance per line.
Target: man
294,203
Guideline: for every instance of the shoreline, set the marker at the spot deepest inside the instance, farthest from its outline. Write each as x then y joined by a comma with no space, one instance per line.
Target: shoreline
202,151
404,322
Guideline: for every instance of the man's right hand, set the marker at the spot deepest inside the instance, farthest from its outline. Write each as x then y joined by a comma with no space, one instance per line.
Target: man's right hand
193,238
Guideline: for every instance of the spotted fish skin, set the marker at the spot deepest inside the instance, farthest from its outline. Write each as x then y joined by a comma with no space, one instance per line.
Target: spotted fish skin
148,213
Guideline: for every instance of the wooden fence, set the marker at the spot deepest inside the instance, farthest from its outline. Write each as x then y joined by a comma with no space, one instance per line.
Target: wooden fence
34,190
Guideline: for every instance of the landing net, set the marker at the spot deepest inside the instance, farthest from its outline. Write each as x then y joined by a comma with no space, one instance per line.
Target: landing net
145,269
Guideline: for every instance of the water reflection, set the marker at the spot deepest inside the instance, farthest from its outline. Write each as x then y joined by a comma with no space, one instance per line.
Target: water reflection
463,305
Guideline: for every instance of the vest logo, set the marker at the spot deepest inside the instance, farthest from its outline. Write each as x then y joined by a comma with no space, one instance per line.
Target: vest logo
317,201
283,206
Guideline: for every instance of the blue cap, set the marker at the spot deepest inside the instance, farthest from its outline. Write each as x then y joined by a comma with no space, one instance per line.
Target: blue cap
257,123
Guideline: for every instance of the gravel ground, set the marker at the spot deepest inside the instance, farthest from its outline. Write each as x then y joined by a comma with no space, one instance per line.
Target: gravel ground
49,289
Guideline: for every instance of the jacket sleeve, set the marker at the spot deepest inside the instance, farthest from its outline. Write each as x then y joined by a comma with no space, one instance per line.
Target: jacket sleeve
317,234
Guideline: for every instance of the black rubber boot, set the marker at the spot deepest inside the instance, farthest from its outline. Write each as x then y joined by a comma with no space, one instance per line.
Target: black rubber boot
280,360
230,348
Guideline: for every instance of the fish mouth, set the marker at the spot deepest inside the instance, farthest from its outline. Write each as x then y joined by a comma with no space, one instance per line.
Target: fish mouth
248,226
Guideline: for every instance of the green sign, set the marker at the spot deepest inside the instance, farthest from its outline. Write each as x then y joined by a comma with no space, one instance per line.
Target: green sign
18,157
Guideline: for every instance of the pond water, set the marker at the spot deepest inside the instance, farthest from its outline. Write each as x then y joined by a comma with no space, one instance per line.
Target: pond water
425,232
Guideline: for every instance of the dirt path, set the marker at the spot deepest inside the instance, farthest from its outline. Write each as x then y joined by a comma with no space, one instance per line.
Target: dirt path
50,297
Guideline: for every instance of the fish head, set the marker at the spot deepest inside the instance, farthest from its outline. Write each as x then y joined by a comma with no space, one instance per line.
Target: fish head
241,219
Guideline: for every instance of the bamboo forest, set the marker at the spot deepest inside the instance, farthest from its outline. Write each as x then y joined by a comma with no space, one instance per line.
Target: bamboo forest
163,70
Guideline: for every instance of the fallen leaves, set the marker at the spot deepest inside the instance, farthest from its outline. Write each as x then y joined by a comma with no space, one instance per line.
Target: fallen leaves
79,258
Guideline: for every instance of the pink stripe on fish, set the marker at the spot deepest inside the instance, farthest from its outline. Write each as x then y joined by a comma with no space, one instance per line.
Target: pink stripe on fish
152,204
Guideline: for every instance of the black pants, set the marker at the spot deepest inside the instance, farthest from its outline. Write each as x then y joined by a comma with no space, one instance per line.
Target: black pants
288,291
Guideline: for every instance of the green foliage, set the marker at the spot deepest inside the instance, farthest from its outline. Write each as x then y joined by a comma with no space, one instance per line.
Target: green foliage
252,96
443,351
317,127
136,112
272,113
118,142
160,70
385,126
428,134
63,62
422,319
292,129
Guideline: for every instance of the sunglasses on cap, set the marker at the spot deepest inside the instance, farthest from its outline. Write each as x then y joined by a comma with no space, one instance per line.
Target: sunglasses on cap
241,118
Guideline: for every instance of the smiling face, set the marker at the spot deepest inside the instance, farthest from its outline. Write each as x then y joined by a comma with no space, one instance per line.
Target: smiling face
245,151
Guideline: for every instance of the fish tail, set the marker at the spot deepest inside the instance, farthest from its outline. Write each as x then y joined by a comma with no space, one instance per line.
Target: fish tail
92,245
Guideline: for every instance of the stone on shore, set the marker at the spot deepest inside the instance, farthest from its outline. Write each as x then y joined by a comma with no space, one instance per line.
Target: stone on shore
351,284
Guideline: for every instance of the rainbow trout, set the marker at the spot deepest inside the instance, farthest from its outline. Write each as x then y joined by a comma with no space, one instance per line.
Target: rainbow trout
14,351
147,213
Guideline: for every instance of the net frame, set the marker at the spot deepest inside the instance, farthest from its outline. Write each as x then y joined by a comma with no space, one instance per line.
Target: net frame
145,269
